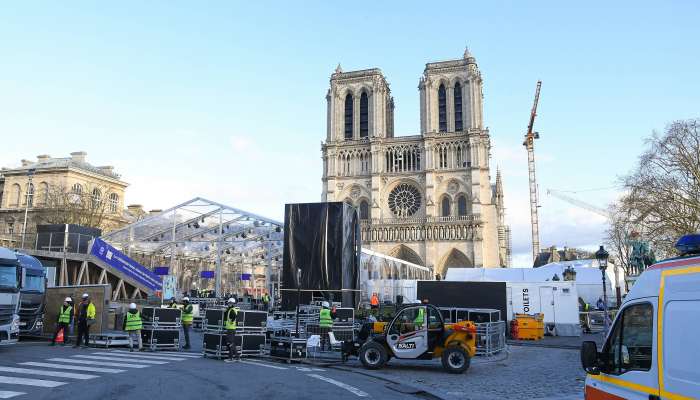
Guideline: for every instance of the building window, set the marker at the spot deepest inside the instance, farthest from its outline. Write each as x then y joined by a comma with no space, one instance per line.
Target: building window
96,198
462,206
16,195
30,195
445,206
442,157
442,108
10,227
44,193
459,126
364,210
404,200
364,115
113,202
348,117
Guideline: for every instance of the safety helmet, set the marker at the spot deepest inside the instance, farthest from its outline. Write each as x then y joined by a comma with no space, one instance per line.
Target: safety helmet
132,306
232,300
186,299
85,295
68,300
325,304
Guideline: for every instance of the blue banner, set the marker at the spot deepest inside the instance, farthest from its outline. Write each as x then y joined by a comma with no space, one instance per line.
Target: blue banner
245,277
207,274
161,270
121,262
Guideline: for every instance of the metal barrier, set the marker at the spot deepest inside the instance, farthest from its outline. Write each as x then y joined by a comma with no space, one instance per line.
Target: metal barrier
490,338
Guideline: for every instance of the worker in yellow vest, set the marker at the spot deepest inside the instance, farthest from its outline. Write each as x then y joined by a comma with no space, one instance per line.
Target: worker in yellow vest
65,315
85,313
187,318
133,325
325,324
230,315
266,301
173,303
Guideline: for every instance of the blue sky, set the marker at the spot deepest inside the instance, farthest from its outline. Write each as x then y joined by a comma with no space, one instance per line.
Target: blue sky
226,100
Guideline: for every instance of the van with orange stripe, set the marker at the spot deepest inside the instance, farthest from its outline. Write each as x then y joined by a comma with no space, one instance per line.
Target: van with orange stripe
652,350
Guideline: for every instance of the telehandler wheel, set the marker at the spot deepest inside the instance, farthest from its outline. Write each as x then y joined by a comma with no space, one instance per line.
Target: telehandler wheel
373,355
455,360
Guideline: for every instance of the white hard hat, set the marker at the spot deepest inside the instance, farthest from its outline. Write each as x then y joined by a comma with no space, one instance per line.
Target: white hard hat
132,306
85,295
326,304
68,300
185,299
232,300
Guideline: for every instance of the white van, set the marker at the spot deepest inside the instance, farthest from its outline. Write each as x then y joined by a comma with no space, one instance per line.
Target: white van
653,348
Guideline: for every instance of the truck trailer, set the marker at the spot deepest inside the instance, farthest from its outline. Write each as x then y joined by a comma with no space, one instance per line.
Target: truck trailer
32,296
10,283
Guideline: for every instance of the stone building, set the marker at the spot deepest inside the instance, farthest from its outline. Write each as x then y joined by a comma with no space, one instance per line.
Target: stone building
425,198
96,193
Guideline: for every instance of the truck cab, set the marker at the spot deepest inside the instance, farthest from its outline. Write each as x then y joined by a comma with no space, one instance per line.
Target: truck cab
651,349
10,282
32,296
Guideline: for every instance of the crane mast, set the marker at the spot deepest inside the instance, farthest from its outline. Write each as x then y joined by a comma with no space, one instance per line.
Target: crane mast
529,144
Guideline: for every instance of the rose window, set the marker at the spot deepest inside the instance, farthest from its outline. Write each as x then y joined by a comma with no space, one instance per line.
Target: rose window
404,200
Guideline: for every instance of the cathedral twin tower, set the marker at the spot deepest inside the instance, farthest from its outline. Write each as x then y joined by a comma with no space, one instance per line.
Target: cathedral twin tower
426,198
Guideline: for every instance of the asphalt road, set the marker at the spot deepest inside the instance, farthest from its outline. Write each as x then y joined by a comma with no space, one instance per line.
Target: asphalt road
33,370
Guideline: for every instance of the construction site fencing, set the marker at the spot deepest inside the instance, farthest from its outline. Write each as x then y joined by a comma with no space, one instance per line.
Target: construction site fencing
490,338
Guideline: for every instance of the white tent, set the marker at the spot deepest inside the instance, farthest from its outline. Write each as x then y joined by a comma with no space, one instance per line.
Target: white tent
588,277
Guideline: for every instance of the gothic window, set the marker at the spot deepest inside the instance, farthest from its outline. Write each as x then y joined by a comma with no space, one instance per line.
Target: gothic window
348,117
364,115
113,202
44,193
458,107
462,206
442,108
445,206
76,193
442,157
364,210
30,195
16,195
404,200
96,198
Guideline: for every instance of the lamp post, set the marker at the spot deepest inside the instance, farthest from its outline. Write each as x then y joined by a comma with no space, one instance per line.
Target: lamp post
30,174
602,256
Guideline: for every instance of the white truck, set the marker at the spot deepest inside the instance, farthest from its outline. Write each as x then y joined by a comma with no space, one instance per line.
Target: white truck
10,283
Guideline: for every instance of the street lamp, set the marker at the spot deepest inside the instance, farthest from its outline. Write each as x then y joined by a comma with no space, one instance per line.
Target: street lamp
30,174
602,256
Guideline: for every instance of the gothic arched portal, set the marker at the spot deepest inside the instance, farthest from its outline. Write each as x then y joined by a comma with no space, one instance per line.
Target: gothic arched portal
405,253
455,259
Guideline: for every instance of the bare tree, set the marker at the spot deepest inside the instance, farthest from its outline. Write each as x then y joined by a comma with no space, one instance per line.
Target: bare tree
663,191
86,205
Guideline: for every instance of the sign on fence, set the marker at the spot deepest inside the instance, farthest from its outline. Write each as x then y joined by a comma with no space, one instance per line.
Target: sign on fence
207,274
169,287
121,262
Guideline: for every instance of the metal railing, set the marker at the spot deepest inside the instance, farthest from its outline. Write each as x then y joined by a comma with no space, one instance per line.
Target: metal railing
48,241
490,338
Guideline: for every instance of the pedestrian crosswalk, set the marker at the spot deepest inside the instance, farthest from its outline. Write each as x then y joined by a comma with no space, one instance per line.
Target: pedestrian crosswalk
58,371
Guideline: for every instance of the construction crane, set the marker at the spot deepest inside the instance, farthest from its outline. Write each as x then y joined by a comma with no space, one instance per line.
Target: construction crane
561,196
529,144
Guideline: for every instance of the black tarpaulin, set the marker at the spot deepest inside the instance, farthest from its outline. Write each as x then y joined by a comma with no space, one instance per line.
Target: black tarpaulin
321,253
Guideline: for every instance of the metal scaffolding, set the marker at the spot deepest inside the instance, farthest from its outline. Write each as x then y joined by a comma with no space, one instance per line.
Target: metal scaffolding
199,235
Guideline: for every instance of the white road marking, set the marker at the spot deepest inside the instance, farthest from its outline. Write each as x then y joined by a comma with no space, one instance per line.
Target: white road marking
105,364
345,386
46,373
121,359
137,355
13,380
309,369
73,367
173,353
262,365
6,394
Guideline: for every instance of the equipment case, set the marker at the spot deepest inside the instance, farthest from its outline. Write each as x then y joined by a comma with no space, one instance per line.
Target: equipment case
161,318
161,339
288,348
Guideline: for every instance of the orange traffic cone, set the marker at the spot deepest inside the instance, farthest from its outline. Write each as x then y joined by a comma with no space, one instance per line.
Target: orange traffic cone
59,338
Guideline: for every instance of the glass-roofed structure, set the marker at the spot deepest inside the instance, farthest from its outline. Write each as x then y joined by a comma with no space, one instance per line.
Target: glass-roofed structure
207,245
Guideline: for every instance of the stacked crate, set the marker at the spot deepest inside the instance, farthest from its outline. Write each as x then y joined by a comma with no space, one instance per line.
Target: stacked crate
161,328
344,324
250,333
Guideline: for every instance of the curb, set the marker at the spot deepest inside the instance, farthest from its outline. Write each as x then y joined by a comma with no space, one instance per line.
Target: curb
546,346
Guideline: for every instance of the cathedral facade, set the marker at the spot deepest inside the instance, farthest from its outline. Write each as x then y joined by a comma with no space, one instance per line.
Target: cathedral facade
426,198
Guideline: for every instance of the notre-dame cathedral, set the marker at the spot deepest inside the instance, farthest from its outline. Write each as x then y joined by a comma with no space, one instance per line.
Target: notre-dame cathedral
426,198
